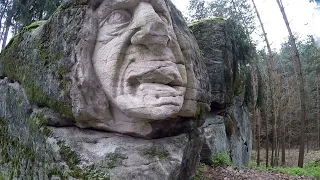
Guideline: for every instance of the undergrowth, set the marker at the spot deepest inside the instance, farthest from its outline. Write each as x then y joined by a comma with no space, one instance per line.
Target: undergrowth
310,169
202,170
221,159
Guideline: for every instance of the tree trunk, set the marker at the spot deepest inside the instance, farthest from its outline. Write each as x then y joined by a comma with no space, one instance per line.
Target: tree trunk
297,63
258,135
7,28
254,129
318,113
283,140
273,143
307,136
263,114
275,90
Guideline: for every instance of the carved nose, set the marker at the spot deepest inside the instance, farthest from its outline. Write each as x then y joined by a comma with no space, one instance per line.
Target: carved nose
154,35
152,31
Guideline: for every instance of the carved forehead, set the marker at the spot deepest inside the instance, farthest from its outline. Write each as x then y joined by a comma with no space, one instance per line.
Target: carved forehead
120,3
105,6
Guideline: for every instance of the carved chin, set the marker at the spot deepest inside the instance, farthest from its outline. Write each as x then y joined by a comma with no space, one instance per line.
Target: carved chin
152,101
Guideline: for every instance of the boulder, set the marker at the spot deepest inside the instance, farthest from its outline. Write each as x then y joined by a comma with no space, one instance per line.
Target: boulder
30,149
144,79
228,135
226,52
103,91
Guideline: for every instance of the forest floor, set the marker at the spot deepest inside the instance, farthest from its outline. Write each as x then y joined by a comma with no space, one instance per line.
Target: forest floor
225,172
232,173
291,156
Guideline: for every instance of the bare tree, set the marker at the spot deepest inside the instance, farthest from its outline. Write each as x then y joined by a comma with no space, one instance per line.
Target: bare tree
274,85
297,65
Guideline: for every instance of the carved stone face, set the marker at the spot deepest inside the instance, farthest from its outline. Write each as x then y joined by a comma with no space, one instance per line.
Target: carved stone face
138,60
138,70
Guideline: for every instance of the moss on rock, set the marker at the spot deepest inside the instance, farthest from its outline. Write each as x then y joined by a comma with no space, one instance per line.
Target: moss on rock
33,25
19,61
227,50
155,152
13,152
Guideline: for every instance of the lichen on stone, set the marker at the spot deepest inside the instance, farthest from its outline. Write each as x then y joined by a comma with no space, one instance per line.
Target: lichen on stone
156,152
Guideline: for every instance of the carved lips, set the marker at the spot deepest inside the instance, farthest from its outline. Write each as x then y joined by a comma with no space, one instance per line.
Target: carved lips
152,85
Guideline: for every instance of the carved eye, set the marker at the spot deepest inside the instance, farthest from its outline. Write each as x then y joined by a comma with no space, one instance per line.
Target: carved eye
119,17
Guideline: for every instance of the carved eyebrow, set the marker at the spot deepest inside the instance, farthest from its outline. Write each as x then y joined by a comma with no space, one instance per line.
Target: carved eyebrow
108,6
124,3
159,5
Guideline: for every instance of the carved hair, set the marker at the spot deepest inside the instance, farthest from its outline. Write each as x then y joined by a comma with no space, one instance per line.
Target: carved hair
86,92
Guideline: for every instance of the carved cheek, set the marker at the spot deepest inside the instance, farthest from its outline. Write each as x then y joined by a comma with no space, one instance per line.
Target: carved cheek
107,58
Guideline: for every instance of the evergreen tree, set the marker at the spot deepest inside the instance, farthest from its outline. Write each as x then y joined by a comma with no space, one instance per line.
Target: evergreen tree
15,14
238,10
198,9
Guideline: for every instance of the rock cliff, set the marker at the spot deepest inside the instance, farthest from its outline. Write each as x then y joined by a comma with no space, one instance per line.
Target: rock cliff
226,52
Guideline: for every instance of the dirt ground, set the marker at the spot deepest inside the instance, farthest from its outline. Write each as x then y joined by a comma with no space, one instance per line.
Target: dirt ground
230,173
234,173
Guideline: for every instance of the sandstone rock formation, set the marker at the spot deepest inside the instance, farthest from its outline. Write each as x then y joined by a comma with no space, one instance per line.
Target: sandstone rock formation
138,60
63,117
127,67
32,150
227,129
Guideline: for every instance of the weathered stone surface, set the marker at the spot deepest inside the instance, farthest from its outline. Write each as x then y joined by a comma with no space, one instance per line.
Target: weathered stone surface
129,67
229,134
53,90
31,149
227,129
216,140
124,157
241,138
226,52
27,150
139,66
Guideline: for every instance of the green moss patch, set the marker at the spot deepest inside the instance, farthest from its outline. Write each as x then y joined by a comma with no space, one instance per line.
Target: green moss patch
155,152
33,25
115,159
25,72
201,21
12,152
36,94
31,67
72,159
38,123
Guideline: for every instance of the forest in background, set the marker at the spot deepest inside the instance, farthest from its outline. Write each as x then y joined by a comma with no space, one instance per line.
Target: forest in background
16,14
286,101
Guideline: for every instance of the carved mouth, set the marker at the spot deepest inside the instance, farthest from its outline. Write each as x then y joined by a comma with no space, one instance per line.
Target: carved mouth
154,72
151,87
